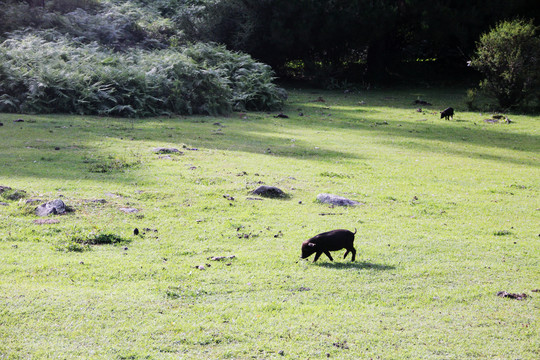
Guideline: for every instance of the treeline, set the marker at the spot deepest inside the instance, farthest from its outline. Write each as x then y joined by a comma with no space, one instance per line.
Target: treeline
371,40
331,42
355,39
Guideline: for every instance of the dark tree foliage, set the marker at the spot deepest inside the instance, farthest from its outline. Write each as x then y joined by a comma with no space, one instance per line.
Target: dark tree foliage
369,40
382,37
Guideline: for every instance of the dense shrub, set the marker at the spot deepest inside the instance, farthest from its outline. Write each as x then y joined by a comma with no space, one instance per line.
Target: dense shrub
44,76
116,24
509,58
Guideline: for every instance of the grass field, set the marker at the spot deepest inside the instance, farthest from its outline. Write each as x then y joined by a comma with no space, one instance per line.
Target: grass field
449,216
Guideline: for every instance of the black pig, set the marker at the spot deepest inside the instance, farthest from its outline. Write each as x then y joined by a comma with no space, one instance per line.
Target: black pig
329,241
447,113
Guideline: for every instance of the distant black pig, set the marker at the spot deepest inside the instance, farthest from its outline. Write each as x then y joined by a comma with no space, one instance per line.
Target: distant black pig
447,113
329,241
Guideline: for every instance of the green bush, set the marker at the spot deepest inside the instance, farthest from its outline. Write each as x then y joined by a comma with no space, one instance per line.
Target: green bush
509,58
48,72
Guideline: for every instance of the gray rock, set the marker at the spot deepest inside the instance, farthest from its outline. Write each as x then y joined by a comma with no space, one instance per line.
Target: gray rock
55,207
163,150
129,210
336,200
268,191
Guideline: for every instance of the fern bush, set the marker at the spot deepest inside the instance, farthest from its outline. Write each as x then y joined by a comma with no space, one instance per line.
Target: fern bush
48,72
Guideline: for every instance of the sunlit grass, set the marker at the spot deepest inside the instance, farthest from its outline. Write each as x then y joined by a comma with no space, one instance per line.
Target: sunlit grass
449,218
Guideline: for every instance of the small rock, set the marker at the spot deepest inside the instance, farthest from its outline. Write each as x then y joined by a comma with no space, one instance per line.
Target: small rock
164,150
1,124
18,120
269,191
55,207
336,200
57,148
505,294
281,352
135,231
129,210
219,258
282,116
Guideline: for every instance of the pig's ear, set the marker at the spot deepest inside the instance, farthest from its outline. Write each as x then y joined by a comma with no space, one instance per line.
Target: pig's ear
311,244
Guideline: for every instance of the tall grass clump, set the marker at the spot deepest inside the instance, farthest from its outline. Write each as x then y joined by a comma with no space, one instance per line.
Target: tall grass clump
59,74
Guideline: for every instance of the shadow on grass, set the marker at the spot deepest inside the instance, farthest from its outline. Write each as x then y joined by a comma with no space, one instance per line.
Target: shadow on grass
355,265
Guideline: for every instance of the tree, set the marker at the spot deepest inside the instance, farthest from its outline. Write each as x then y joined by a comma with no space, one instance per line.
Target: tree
509,58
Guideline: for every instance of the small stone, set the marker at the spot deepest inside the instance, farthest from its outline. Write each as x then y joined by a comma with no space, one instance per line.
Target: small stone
129,210
55,207
336,200
164,150
135,231
268,191
281,352
57,148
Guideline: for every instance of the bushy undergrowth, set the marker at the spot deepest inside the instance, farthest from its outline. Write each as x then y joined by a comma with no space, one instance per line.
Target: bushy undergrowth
62,75
507,57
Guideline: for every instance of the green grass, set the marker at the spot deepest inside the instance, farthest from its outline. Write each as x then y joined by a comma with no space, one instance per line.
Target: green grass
450,217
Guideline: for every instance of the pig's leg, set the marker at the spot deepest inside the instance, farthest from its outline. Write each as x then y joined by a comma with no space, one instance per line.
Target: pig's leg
329,256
